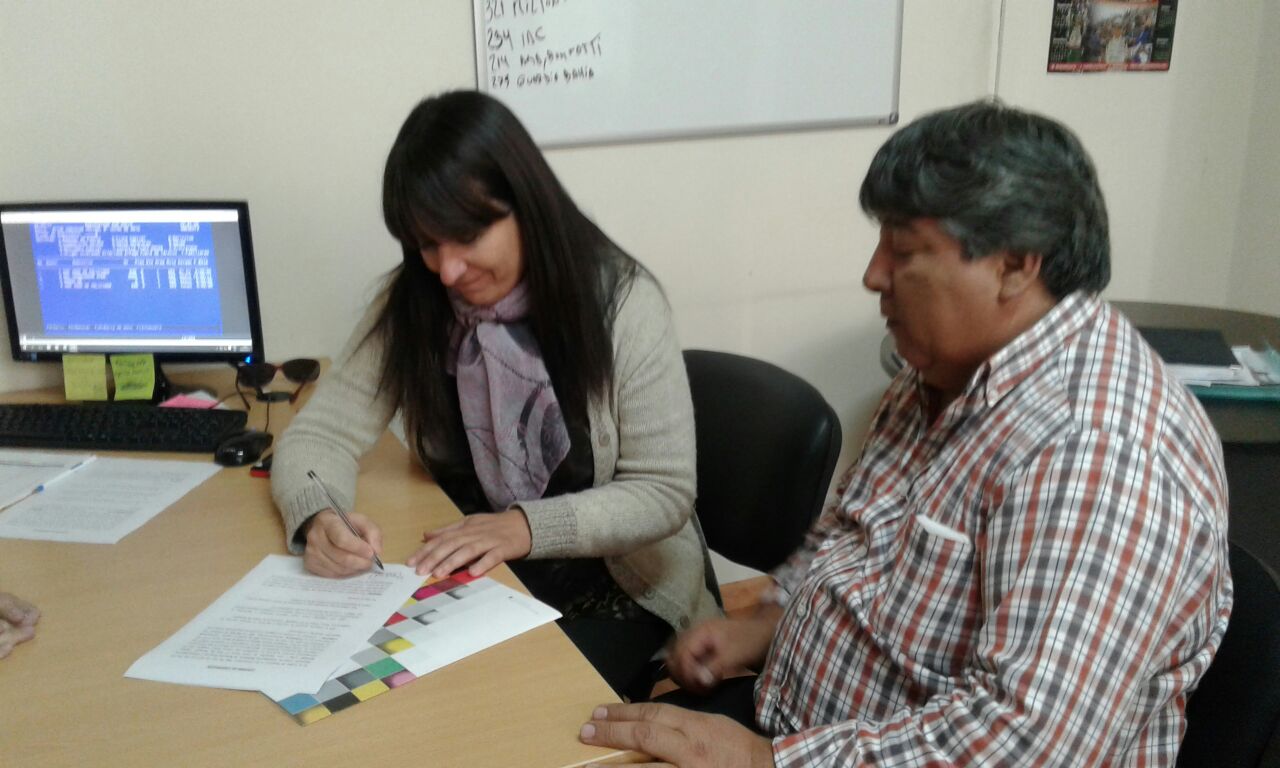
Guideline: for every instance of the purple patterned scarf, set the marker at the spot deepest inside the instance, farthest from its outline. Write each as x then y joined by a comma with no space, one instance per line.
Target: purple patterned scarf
513,421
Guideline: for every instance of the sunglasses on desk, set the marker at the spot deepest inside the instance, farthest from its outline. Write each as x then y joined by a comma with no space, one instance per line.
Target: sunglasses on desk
300,371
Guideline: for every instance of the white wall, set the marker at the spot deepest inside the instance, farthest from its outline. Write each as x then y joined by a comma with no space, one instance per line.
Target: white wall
1170,147
292,105
1255,262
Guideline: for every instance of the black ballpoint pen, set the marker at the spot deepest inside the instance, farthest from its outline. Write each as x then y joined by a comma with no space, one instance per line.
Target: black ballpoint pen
341,514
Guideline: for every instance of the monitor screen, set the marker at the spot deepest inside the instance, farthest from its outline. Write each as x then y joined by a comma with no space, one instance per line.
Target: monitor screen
174,279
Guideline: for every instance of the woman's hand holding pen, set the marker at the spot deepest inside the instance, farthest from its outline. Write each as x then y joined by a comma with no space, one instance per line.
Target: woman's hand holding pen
482,540
333,550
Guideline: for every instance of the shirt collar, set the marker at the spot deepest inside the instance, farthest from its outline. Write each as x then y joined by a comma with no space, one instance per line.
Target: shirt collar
1018,359
1033,347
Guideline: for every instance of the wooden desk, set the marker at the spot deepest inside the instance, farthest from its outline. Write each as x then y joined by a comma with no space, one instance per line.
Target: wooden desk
65,700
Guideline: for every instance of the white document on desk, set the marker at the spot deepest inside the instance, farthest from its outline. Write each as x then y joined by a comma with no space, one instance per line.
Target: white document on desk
104,500
279,627
25,473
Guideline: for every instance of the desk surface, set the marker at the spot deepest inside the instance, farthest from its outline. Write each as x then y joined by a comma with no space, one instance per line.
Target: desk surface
66,700
1237,421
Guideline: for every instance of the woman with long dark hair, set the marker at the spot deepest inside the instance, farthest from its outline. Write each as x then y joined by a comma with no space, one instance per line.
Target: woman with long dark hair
536,369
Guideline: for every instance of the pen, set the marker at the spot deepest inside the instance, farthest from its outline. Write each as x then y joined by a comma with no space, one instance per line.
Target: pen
341,514
72,468
42,486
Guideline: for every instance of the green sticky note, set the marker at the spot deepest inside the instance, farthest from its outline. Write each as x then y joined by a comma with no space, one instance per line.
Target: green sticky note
135,376
84,377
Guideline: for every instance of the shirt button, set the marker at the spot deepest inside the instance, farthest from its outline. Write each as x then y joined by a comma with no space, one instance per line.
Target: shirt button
684,622
648,594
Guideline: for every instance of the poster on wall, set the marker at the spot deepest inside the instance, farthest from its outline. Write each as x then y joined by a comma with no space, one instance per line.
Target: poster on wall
1112,36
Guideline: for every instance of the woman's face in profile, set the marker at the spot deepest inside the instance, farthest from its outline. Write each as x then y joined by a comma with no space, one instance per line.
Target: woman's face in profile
484,269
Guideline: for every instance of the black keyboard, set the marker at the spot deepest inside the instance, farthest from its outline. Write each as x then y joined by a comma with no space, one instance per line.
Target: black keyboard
116,427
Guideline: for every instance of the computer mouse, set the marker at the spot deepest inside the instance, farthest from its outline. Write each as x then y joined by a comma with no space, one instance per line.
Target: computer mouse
240,448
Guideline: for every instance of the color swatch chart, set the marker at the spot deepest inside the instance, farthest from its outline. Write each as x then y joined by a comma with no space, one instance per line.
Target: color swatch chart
445,620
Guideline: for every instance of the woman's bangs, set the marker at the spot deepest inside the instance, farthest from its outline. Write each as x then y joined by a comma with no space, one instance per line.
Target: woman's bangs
433,211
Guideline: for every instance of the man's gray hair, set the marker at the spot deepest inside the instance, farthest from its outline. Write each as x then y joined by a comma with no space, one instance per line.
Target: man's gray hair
997,178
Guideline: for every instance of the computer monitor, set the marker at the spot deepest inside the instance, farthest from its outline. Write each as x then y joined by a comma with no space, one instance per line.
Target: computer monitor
175,279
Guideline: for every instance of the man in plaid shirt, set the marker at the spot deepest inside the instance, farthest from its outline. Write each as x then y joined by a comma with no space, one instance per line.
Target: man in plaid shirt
1028,563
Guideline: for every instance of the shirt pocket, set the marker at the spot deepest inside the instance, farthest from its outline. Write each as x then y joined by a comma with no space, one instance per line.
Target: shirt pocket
927,607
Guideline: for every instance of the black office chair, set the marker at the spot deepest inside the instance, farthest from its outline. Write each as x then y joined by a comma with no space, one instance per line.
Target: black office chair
767,445
1233,717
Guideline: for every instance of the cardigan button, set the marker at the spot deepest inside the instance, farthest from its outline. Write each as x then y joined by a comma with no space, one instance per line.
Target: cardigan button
604,440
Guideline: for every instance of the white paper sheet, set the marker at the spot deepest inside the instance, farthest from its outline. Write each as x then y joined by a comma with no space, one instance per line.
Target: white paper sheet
103,501
278,628
444,622
1264,364
23,472
1205,375
489,614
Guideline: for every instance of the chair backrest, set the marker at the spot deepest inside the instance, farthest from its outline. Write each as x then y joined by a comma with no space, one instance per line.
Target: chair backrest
767,445
1232,717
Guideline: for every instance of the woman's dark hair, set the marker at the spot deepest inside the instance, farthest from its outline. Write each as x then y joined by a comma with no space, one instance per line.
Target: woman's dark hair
998,178
460,162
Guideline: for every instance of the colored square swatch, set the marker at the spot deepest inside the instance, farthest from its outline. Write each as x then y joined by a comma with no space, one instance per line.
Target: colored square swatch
354,680
367,656
418,608
381,636
298,702
405,629
339,703
398,647
331,689
384,668
400,678
370,689
309,716
395,645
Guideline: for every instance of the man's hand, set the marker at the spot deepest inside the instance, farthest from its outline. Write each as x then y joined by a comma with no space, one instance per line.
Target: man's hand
678,737
17,622
717,648
334,551
483,540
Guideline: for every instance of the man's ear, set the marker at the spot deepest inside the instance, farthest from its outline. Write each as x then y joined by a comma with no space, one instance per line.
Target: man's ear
1020,271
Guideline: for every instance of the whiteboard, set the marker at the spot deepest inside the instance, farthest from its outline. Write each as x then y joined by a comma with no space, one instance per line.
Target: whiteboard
593,71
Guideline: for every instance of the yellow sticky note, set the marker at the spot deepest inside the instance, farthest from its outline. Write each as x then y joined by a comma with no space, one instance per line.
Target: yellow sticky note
84,377
135,376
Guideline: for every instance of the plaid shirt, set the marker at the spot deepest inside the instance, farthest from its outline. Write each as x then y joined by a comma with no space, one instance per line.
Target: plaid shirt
1037,578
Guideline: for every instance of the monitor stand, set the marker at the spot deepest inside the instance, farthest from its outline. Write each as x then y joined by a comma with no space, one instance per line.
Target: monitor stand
163,389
